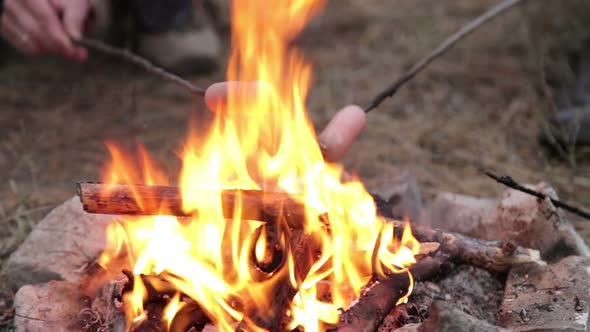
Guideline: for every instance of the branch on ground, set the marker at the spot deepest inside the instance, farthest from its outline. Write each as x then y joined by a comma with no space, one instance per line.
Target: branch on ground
509,182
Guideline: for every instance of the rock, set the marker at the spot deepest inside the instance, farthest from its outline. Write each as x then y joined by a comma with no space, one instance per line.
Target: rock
52,306
409,328
570,244
58,247
528,221
461,214
473,291
516,217
444,317
399,197
547,298
574,237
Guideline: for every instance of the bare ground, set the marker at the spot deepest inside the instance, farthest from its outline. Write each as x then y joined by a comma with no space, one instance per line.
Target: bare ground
478,107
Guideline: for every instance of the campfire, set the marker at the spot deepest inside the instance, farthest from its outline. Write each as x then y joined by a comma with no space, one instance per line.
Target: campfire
261,233
271,237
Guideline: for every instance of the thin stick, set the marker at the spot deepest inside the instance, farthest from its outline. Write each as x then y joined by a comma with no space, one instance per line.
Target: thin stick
124,54
440,50
509,182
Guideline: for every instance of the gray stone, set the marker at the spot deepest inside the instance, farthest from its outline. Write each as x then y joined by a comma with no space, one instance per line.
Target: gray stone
474,291
52,306
462,214
528,221
409,328
547,298
443,317
59,247
401,193
572,238
570,244
515,216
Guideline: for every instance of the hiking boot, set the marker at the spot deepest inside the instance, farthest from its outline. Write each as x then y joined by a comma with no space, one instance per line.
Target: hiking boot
190,47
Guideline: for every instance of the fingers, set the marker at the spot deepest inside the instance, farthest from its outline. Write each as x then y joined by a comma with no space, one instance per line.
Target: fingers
29,30
49,26
338,136
74,16
35,26
21,41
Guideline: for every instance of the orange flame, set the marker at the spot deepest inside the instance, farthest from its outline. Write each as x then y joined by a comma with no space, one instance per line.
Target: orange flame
260,139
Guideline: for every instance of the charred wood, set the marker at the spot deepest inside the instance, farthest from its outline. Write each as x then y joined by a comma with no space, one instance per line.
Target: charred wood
167,200
379,298
269,207
304,249
493,256
159,294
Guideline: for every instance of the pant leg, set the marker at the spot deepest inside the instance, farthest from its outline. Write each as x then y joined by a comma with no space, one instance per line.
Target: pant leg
155,16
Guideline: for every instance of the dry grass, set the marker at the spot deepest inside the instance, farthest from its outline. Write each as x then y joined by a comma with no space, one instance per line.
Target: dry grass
478,107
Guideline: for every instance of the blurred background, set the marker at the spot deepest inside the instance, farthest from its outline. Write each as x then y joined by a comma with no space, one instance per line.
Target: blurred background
484,105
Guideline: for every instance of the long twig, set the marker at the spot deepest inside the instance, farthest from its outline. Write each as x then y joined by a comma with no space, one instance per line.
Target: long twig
509,182
440,50
99,46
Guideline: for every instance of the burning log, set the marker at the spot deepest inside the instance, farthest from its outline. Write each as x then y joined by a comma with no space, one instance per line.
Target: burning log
381,297
492,256
101,198
303,250
161,200
159,293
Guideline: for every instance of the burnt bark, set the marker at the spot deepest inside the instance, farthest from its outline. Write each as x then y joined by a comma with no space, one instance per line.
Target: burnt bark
304,249
381,297
167,200
492,256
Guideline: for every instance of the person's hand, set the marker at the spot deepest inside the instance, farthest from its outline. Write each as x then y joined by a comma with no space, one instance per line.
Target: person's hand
335,140
38,27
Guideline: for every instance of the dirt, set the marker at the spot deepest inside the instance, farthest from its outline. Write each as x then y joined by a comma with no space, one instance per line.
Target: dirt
478,107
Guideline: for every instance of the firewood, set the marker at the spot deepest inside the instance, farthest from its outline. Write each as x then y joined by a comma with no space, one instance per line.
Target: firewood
381,297
428,248
127,199
492,256
303,249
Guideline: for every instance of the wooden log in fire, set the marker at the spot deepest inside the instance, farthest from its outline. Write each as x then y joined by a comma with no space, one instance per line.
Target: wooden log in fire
492,256
101,198
304,247
124,199
378,300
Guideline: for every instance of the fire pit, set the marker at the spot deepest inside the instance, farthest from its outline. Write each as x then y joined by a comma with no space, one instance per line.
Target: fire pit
262,234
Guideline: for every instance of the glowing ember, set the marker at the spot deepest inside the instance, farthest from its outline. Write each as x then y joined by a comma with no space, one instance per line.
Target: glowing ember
261,139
